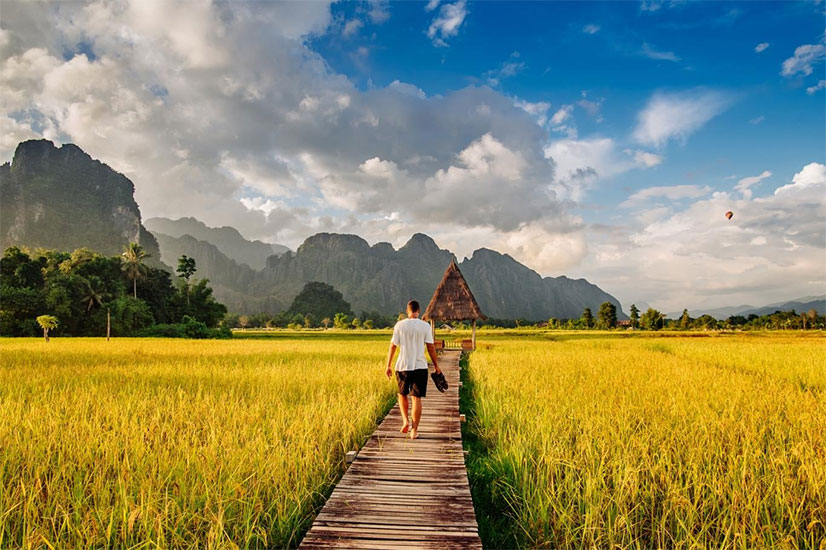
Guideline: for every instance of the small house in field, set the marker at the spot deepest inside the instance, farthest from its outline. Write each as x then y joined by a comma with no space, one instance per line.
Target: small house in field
453,301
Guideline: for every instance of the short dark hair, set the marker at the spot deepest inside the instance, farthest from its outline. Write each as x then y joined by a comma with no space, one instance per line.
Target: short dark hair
413,305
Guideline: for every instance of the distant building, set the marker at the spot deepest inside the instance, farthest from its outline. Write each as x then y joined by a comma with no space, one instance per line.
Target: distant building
625,323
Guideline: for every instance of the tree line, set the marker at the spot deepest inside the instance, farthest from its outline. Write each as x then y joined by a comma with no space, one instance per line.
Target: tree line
652,319
84,293
318,305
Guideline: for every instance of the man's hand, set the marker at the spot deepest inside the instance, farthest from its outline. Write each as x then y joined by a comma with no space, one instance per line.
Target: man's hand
431,350
390,353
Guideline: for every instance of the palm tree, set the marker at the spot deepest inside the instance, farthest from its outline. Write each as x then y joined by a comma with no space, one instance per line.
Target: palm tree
93,294
132,258
326,322
47,323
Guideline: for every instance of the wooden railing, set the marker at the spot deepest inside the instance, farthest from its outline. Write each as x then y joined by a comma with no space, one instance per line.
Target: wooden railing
465,344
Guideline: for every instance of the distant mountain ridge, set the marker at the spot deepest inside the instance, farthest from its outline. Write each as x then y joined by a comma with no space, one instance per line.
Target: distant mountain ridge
800,305
227,239
381,278
61,198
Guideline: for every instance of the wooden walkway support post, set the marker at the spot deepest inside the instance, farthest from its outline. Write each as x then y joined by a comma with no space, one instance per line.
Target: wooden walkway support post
403,493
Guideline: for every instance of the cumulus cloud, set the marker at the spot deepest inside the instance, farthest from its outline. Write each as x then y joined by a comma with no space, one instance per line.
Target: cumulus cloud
761,47
562,114
744,184
538,109
591,29
668,116
447,23
644,158
280,146
580,163
812,177
351,27
804,59
773,249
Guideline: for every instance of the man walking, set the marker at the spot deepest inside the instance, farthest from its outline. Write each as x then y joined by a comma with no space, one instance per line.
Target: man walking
410,336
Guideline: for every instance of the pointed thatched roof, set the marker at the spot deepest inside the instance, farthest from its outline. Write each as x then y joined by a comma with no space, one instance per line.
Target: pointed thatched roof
453,300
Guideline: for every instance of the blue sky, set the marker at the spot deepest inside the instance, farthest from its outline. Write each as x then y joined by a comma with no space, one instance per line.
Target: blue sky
619,53
596,140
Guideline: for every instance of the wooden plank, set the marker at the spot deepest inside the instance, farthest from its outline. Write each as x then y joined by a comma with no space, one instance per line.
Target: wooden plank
403,493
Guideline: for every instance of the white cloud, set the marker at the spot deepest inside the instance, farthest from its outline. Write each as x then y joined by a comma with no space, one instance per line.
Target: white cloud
813,176
757,120
562,114
351,27
591,29
407,89
651,5
538,110
821,84
744,184
379,11
508,68
278,146
651,53
761,47
803,60
670,192
677,115
644,159
591,107
772,249
446,24
431,5
580,163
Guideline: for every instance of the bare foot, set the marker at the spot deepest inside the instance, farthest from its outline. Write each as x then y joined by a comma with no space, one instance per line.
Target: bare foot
405,428
414,434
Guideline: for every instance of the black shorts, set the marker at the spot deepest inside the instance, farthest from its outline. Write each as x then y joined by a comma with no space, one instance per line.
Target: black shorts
413,382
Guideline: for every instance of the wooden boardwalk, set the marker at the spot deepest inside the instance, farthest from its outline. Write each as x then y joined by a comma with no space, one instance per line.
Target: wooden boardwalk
403,493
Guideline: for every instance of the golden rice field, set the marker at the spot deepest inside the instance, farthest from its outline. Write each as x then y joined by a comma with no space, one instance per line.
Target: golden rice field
578,440
152,443
601,441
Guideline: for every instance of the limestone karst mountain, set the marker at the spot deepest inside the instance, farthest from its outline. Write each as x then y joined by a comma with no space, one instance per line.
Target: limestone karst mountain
227,239
381,278
62,198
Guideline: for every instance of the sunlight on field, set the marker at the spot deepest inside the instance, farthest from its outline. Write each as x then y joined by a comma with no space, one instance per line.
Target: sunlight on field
600,440
178,443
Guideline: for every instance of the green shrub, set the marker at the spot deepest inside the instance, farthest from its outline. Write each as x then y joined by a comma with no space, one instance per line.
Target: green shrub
187,328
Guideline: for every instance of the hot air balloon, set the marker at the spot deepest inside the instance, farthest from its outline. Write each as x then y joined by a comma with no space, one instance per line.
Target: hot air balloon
729,214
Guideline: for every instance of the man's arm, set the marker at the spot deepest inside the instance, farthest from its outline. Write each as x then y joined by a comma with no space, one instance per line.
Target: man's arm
390,354
431,350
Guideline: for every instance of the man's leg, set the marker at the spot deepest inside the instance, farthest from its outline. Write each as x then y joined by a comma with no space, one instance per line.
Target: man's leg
417,415
403,410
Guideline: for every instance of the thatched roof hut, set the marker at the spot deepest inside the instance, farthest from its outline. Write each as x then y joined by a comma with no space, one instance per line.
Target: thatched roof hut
453,300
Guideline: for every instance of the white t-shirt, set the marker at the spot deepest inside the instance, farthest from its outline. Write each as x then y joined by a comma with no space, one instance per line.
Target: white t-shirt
410,335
